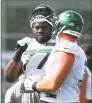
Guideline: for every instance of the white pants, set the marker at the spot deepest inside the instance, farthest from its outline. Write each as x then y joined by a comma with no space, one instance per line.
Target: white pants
13,95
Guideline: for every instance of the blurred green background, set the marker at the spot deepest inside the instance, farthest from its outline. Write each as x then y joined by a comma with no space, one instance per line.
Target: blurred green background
15,24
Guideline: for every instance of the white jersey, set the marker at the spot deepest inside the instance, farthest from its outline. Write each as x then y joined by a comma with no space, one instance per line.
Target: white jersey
69,89
35,57
89,87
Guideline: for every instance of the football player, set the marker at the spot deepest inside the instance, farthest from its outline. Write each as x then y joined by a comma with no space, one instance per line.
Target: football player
31,55
65,67
85,87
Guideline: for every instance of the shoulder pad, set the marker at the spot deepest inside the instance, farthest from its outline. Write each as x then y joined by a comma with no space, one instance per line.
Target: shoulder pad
67,47
51,42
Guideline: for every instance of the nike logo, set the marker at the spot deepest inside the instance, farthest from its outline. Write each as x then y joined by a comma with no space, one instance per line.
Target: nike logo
66,48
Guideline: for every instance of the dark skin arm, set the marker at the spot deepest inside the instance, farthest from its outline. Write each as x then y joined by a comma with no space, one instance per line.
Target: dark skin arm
59,73
12,71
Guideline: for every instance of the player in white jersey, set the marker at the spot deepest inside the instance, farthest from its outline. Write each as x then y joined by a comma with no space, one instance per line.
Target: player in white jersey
66,65
33,54
85,88
89,64
89,57
89,86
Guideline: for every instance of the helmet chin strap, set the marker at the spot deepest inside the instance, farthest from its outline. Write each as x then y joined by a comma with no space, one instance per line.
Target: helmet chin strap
57,37
61,30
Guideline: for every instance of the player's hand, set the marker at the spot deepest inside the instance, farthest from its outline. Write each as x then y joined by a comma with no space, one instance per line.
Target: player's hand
26,87
23,44
21,47
24,41
28,84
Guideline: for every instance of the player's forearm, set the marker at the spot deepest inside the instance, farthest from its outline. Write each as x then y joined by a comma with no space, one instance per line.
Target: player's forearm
82,90
59,73
46,86
83,99
11,71
83,86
